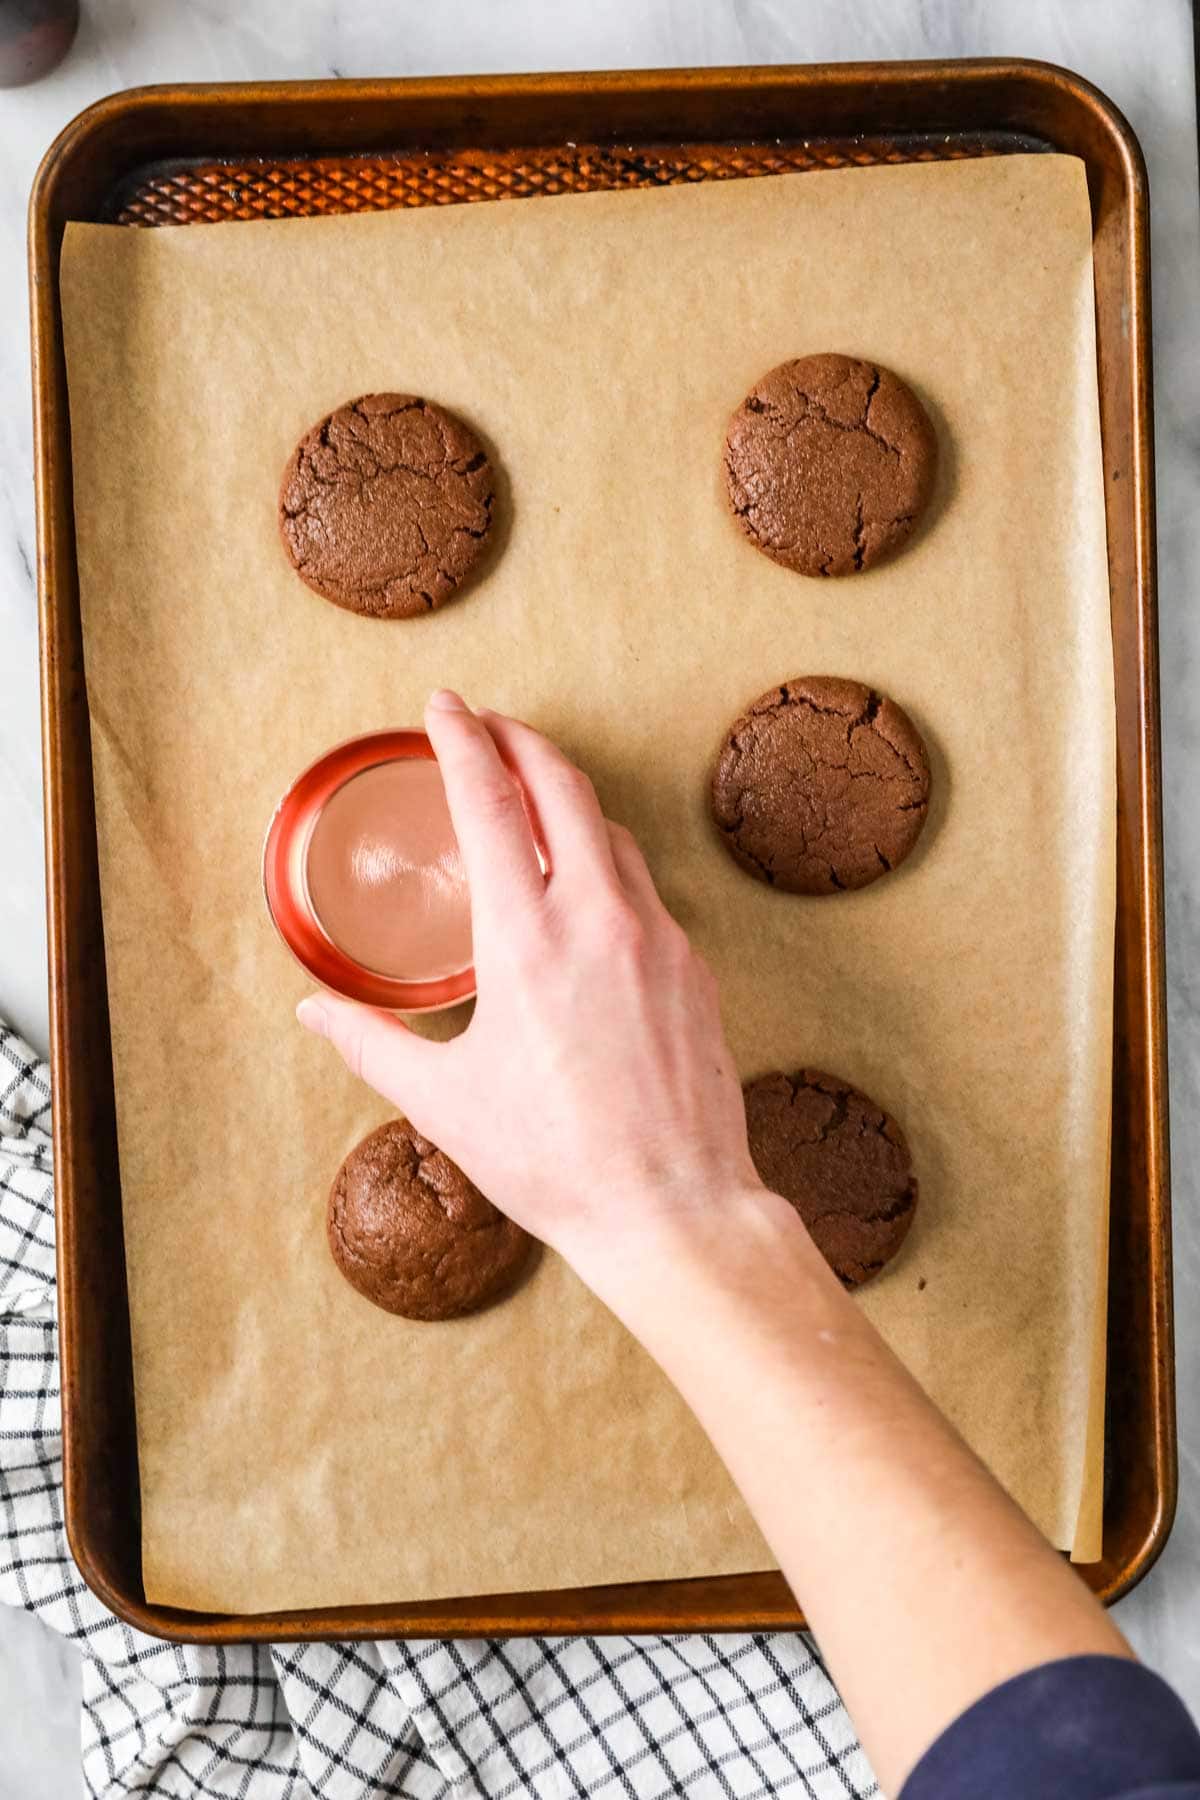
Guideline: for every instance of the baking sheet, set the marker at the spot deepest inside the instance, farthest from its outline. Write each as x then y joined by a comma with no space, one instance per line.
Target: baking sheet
298,1448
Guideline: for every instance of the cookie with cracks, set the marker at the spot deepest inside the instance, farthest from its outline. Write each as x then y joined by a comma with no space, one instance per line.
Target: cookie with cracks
822,785
829,463
386,506
840,1160
414,1235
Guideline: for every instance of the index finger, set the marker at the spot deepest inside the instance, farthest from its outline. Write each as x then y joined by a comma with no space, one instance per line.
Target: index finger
486,809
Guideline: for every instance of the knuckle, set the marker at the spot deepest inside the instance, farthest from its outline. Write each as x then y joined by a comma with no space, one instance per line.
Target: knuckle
620,931
677,945
496,800
525,947
506,933
574,786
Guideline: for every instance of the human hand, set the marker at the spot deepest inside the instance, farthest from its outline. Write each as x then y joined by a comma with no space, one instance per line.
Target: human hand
593,1093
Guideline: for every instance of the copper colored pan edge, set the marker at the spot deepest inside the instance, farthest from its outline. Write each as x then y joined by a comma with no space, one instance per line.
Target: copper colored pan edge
704,120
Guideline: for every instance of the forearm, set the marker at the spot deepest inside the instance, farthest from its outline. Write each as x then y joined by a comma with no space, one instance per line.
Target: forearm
923,1582
599,1027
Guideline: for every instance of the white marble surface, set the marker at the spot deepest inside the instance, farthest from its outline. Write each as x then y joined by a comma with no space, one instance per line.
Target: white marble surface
1140,55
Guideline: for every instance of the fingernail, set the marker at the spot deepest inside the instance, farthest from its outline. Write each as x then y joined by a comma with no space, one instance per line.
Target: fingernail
446,700
311,1015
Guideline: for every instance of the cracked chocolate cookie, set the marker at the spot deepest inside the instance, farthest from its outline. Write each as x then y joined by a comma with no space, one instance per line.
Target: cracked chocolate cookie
821,785
386,506
840,1160
410,1232
829,462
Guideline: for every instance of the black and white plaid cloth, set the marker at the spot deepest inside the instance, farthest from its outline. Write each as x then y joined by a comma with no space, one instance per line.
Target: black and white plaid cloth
738,1718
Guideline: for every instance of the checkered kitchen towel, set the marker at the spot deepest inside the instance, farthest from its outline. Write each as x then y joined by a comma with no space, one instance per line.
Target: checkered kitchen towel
738,1718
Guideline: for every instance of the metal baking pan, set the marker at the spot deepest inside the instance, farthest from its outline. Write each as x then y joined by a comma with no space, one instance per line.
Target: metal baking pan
190,154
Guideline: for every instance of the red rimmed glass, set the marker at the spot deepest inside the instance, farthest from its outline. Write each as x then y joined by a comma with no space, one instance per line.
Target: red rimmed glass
286,886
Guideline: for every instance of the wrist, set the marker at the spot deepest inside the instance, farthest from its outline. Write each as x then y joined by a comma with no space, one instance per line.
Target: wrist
735,1250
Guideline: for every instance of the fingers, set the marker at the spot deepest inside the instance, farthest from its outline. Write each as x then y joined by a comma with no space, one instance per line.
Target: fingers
563,799
634,873
486,810
398,1064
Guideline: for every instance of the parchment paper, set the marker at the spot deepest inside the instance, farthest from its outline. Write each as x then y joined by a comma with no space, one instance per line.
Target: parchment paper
297,1446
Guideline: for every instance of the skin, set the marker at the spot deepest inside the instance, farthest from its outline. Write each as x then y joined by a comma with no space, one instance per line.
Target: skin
598,1026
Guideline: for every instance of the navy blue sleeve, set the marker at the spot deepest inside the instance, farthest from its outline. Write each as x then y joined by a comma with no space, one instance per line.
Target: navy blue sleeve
1086,1728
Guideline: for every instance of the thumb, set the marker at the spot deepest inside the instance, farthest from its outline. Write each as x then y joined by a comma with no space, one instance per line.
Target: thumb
379,1048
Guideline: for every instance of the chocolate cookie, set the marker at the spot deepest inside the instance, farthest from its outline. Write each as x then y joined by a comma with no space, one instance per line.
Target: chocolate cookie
820,786
841,1162
411,1233
386,506
829,463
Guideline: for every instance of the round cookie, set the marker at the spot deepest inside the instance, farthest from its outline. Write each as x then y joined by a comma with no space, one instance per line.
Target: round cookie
410,1232
386,506
842,1163
829,462
820,786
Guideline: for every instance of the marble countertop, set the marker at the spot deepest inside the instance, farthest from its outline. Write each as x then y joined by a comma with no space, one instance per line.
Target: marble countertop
1141,56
